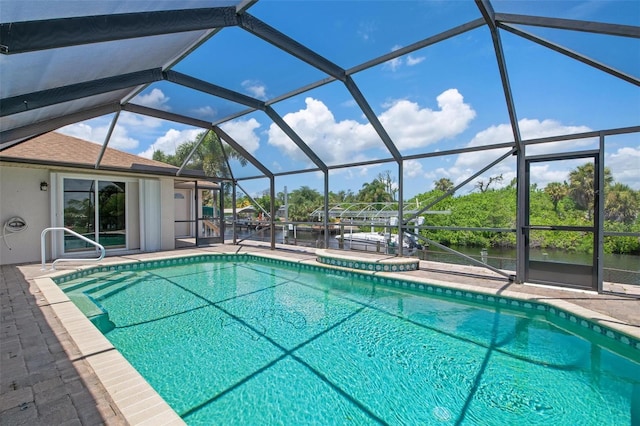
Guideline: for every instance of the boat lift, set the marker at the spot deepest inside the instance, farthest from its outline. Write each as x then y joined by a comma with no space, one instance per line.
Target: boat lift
375,214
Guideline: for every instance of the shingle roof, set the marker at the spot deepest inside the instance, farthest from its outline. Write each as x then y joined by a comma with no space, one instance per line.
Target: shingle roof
56,148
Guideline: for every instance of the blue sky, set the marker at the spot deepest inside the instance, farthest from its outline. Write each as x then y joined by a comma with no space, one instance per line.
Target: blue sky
442,97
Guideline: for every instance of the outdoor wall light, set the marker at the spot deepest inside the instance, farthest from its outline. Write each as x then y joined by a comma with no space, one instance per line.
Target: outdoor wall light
44,186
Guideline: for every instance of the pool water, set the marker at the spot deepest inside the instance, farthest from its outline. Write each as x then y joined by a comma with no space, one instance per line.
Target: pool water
251,342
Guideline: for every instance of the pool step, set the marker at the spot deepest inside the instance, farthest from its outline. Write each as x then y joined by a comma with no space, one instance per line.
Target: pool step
86,294
93,310
84,282
105,284
106,291
86,305
97,283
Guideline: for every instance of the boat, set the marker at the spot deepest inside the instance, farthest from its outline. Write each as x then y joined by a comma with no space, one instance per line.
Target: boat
380,239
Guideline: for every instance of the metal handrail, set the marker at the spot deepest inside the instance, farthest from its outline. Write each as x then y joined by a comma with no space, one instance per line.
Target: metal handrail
82,237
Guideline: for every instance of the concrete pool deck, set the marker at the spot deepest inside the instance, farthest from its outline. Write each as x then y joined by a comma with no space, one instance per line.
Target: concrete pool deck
55,368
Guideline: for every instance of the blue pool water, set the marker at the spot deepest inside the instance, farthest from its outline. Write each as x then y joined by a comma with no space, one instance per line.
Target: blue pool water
250,342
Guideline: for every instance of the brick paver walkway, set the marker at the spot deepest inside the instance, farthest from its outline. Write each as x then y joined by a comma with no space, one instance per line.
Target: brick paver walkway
42,379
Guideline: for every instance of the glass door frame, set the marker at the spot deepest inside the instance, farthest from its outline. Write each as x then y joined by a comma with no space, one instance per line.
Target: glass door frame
60,208
555,274
201,220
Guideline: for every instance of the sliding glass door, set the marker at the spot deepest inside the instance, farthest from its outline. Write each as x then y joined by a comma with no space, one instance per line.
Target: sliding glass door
95,209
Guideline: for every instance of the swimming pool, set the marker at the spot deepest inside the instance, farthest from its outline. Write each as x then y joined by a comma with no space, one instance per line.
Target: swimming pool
240,339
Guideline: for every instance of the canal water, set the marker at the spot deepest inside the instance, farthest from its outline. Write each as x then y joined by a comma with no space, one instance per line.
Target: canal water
618,268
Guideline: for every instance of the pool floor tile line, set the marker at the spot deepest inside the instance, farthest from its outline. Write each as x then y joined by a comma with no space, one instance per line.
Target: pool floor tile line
208,303
286,353
234,386
346,395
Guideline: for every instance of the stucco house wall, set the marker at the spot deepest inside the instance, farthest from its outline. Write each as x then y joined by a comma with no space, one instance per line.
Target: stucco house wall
20,196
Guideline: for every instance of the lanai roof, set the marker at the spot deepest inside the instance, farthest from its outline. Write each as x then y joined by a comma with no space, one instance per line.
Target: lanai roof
66,61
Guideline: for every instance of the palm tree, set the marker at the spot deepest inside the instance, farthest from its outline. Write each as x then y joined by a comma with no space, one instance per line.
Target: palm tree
556,191
210,156
581,186
374,192
341,196
622,204
443,184
302,202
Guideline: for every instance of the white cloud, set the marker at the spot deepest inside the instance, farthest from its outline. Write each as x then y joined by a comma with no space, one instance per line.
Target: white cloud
89,131
154,99
243,132
129,130
349,103
410,60
366,30
81,131
413,169
121,140
438,173
469,163
255,89
205,112
140,123
350,141
532,129
365,170
354,177
394,64
544,173
413,127
168,142
529,129
414,60
625,166
332,141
